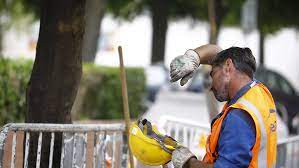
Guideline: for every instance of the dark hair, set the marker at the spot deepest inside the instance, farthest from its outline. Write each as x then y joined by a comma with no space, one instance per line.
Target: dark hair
242,58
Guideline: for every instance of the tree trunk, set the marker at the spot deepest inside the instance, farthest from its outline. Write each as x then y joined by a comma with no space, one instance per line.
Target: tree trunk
94,14
216,12
260,29
160,11
215,9
56,71
212,20
261,48
1,40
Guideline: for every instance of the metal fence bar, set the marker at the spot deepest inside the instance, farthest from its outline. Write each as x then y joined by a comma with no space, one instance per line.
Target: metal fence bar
191,139
288,147
297,157
167,120
288,140
3,136
124,149
288,152
168,129
63,128
185,136
292,153
100,149
51,149
62,150
94,149
113,149
74,149
66,127
105,138
39,147
84,149
176,132
13,149
26,149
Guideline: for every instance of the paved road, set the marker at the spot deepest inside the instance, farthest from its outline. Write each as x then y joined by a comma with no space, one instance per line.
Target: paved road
180,104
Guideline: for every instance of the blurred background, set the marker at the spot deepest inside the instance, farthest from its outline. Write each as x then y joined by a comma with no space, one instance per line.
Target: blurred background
152,33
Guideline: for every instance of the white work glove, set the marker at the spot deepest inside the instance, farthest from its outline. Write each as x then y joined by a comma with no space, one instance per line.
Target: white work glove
180,156
184,66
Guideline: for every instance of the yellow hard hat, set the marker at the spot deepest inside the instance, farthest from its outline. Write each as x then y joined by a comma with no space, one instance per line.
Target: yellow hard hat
148,145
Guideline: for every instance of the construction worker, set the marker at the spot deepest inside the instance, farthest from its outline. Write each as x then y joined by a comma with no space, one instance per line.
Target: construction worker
244,133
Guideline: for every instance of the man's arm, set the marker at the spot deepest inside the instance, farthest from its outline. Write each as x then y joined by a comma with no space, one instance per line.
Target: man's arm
236,140
207,53
182,157
194,163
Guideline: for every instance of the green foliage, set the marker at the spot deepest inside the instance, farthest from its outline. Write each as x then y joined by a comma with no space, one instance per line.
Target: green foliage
126,9
232,10
18,12
99,95
14,76
276,14
33,7
198,10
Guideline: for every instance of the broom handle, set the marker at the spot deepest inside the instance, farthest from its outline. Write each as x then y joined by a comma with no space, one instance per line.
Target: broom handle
125,99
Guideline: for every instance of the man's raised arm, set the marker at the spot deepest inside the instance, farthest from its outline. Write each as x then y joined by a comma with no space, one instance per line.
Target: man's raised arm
183,66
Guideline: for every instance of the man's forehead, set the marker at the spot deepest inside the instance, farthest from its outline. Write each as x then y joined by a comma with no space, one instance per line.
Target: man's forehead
212,70
214,67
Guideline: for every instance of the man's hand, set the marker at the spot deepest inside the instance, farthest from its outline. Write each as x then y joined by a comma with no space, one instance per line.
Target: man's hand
184,66
180,156
194,163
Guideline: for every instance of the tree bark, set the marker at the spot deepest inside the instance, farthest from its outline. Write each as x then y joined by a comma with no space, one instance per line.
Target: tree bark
216,12
94,14
212,19
260,29
261,48
160,12
56,71
1,40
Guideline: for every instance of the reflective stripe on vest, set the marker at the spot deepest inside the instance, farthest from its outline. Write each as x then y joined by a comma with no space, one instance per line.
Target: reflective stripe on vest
262,156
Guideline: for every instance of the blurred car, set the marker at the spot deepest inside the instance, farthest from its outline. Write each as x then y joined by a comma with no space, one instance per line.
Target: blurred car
197,84
285,96
156,77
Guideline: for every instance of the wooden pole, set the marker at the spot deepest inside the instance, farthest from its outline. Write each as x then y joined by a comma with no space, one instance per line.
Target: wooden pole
125,99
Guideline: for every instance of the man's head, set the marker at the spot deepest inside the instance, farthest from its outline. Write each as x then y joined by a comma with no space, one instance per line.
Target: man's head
230,69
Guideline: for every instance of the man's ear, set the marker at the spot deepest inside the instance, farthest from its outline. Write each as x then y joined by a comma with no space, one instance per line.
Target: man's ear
229,65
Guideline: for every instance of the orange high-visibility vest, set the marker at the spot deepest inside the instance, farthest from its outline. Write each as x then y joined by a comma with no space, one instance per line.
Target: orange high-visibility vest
257,102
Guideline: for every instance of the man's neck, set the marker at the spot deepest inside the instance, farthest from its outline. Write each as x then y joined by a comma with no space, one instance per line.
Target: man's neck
239,81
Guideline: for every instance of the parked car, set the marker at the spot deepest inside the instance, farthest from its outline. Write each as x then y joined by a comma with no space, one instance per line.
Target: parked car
285,96
197,84
156,76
